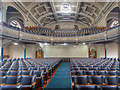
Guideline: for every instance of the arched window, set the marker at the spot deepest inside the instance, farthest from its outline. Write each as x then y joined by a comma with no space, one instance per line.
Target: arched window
15,23
112,19
14,17
115,23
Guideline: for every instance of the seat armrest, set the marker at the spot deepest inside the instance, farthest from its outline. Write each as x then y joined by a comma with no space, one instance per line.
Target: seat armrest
104,84
3,84
33,84
42,76
73,84
18,84
88,83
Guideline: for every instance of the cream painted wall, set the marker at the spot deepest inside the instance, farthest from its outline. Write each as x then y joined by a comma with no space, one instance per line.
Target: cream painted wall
112,50
17,51
100,51
66,51
6,50
31,49
119,50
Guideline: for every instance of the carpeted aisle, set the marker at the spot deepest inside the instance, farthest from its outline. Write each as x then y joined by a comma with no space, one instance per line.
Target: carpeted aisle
61,79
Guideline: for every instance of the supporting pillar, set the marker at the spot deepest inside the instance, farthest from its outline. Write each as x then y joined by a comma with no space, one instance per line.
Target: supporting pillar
24,53
105,51
89,46
41,53
2,49
89,53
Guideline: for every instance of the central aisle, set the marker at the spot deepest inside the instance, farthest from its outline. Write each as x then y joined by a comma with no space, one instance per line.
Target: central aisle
61,78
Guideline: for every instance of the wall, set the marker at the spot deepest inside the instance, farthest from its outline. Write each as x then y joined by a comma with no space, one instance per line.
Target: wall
66,51
119,50
31,50
17,51
112,50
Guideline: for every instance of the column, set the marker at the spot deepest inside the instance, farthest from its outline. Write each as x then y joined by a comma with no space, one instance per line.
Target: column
24,53
89,53
2,49
41,53
105,51
89,46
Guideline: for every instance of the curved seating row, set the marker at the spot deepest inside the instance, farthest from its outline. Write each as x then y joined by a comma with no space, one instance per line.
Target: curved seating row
59,33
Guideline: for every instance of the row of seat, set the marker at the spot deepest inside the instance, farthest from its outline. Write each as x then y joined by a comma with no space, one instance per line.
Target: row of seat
97,68
23,72
95,63
12,71
94,87
96,79
26,81
95,72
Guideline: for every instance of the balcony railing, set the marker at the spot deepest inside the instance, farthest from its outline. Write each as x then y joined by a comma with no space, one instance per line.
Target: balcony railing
13,33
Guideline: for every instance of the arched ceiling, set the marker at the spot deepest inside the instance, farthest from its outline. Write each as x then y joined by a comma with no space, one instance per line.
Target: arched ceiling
45,13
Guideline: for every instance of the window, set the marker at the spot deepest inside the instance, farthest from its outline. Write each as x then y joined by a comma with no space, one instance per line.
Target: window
115,23
15,23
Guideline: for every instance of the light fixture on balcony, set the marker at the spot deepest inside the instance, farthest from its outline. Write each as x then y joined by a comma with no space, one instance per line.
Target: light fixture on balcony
45,43
65,44
65,8
15,43
84,43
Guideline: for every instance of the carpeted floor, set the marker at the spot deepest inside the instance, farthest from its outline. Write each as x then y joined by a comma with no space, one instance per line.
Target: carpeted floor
61,79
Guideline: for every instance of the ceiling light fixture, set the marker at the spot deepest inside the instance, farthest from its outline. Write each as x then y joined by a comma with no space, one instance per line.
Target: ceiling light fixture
65,44
15,43
45,43
65,8
84,43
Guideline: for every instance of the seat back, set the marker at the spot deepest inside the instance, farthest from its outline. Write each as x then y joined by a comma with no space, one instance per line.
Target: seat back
38,73
112,72
111,80
96,79
83,79
27,79
90,72
2,79
3,73
24,72
110,87
79,72
85,87
11,80
101,72
12,73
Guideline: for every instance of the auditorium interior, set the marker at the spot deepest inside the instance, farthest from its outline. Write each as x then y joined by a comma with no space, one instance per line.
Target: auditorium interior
59,45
